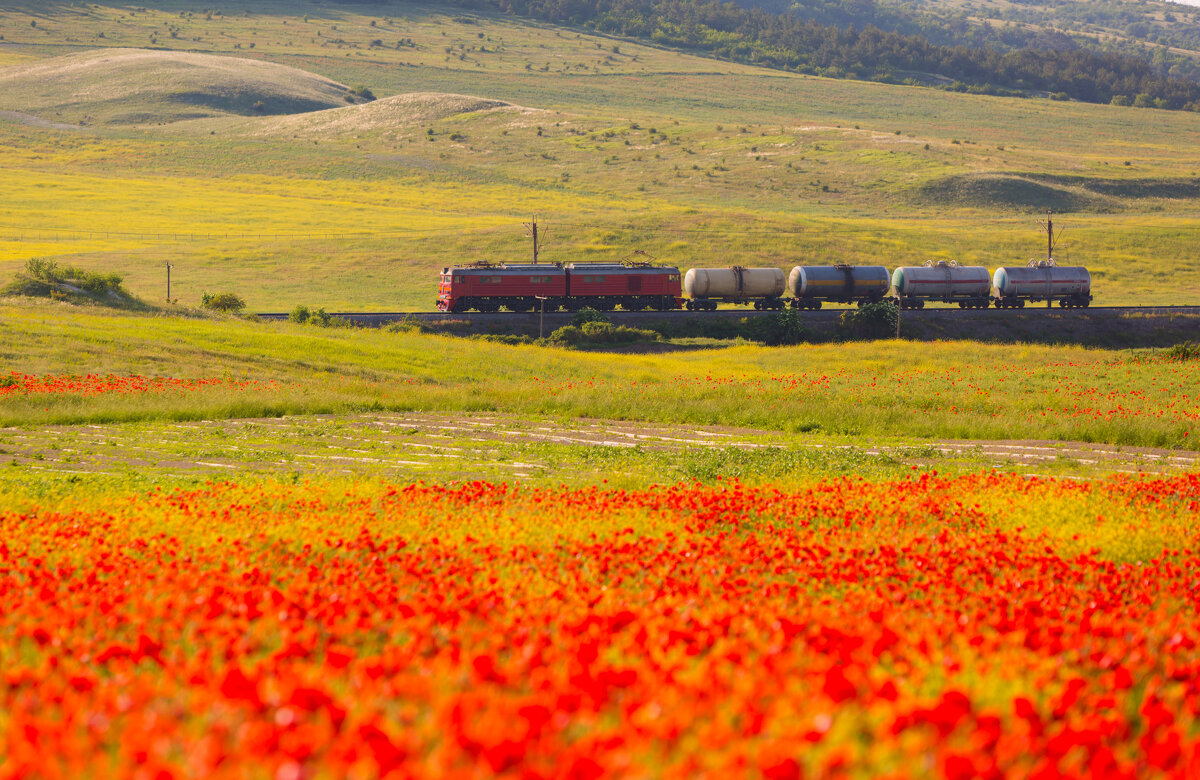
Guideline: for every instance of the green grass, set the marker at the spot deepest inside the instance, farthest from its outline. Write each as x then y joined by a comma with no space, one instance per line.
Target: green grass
894,388
812,170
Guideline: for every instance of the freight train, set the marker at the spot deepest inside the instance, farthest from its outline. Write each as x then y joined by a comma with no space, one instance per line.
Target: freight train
637,286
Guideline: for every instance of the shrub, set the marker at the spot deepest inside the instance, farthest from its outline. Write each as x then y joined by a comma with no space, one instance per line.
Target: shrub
44,278
41,268
874,320
299,314
1188,350
587,315
784,327
363,91
226,302
599,333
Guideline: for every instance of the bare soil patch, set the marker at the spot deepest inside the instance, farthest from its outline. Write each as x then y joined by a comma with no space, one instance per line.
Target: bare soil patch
450,446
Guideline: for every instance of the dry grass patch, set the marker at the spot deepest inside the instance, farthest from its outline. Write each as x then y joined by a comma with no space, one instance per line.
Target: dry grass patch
133,86
381,115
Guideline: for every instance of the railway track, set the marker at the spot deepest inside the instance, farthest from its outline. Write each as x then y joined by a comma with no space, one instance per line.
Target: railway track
558,319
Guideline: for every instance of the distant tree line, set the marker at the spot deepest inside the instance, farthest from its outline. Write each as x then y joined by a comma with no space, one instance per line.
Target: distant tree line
785,41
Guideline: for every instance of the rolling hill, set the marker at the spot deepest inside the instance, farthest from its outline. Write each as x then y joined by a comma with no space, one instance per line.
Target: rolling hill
140,86
484,120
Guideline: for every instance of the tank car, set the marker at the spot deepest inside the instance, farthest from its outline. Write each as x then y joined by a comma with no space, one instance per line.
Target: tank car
969,286
705,287
1042,280
810,285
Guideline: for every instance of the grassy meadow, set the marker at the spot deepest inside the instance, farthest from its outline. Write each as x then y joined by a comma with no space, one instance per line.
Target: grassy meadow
615,145
874,390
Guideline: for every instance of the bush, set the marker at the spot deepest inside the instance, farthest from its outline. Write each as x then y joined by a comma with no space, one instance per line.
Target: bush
44,278
299,314
579,318
567,335
363,91
874,320
1188,350
599,333
226,302
782,328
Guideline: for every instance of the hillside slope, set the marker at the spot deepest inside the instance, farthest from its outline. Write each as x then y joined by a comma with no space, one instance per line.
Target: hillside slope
378,116
615,146
135,86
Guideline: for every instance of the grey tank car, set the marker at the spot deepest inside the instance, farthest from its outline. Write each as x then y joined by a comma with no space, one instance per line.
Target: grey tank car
810,285
967,285
1070,285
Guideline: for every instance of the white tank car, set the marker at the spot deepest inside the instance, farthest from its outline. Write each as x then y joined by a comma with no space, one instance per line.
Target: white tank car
812,284
1071,285
704,287
969,286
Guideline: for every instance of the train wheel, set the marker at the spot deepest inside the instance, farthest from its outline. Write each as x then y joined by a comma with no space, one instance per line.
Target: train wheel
758,305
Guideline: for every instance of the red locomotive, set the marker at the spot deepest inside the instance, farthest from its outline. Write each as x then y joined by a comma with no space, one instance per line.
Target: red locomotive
600,286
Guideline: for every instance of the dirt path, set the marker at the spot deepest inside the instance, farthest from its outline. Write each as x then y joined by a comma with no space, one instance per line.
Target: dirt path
413,446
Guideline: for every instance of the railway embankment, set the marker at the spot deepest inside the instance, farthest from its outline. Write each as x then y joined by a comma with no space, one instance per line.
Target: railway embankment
1114,327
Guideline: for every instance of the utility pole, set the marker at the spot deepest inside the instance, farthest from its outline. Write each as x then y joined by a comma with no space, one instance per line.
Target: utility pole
541,316
1051,240
168,282
531,230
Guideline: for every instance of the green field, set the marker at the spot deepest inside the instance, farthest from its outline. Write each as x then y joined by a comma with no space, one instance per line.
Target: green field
616,146
867,389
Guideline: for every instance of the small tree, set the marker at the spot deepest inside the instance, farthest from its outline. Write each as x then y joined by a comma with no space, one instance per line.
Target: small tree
229,303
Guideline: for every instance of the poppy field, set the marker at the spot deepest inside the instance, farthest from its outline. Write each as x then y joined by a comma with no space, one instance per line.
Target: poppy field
18,384
974,626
